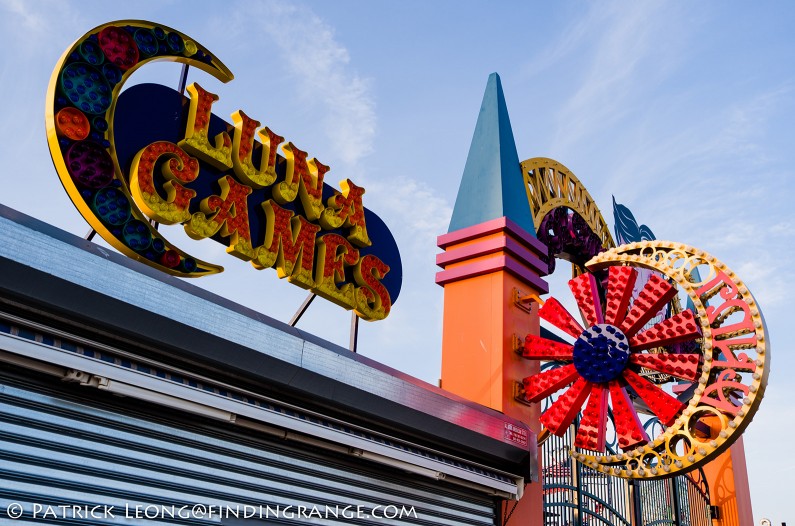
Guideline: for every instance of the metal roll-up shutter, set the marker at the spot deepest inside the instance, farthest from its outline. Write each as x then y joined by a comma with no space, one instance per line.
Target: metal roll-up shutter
66,445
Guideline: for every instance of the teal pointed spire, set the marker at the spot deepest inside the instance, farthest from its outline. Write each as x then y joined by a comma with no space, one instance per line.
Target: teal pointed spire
492,185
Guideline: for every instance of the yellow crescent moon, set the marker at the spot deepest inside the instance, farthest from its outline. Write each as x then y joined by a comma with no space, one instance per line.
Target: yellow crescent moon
127,44
734,368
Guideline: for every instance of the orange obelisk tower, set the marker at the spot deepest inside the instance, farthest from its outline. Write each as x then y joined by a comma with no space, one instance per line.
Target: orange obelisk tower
490,262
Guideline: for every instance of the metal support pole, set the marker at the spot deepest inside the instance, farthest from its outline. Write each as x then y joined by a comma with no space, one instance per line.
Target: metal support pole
183,78
576,481
677,505
354,331
637,503
302,309
90,235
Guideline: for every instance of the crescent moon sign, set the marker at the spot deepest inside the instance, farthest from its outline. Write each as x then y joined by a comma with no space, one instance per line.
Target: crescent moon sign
734,366
81,102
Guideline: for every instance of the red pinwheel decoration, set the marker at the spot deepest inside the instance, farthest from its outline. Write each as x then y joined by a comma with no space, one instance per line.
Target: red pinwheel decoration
606,358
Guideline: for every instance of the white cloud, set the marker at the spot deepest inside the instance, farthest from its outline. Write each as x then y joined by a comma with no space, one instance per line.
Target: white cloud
743,125
31,19
623,40
701,158
424,214
571,39
321,70
321,67
35,23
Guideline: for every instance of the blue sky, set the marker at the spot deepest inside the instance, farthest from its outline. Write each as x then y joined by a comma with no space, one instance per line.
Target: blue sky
683,111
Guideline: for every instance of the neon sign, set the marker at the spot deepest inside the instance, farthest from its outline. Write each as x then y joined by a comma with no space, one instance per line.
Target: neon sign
128,160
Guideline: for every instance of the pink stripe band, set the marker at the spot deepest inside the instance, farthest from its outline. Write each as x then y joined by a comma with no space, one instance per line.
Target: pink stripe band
488,266
490,246
491,227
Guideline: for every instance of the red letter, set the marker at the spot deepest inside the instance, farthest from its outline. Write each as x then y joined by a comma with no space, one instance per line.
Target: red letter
197,140
334,253
243,147
230,217
346,210
180,167
372,298
286,239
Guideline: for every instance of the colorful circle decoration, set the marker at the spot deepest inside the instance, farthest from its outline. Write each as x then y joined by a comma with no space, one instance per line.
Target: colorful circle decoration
119,46
136,235
170,259
112,206
91,53
89,164
701,370
146,41
111,73
601,353
79,117
72,123
175,43
86,88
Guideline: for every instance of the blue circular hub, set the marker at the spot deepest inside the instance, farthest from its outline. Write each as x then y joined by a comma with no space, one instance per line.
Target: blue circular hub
601,353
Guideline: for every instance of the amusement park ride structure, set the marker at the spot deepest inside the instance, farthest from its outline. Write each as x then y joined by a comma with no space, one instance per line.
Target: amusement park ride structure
714,404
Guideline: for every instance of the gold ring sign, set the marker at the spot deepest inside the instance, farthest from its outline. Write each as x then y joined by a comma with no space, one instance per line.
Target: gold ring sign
713,356
733,370
700,370
149,155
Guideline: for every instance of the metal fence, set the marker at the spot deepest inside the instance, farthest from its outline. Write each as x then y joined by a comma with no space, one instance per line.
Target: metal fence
678,501
575,495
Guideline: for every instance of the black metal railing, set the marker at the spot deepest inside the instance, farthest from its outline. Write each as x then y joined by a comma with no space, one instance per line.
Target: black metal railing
575,495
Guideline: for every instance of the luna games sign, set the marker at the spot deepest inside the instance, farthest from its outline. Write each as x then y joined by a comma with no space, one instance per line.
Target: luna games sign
151,155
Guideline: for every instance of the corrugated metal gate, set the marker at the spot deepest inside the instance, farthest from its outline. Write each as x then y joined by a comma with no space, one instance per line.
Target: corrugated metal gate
64,445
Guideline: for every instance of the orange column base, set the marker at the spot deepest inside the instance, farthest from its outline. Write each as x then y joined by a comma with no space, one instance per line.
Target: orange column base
727,477
486,268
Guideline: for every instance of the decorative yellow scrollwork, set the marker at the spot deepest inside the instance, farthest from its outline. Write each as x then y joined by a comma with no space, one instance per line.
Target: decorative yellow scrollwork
551,185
